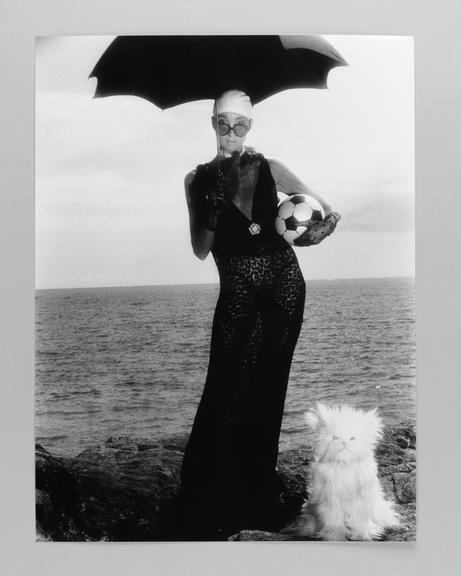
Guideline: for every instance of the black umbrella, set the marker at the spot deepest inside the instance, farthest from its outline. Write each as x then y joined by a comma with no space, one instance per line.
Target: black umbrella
171,70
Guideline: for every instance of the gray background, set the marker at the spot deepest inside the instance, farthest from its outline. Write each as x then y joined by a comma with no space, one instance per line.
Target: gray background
435,26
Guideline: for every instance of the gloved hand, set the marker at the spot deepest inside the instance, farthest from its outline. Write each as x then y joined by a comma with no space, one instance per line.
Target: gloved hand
221,188
227,176
318,231
215,206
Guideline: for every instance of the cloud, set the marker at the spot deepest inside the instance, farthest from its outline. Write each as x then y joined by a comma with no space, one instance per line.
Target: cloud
109,171
381,210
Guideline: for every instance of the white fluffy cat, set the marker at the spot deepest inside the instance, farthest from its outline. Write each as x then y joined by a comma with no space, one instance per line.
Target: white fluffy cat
346,500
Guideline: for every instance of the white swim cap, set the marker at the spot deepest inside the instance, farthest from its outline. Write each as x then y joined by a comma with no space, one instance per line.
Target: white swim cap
233,101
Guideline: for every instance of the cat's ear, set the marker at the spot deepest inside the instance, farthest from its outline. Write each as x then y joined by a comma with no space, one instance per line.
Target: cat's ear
316,415
324,412
312,418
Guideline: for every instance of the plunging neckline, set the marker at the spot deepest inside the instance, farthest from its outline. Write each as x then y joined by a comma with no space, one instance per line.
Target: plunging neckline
251,219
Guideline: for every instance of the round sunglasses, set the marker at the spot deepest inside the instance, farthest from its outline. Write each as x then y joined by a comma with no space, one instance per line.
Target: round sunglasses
239,129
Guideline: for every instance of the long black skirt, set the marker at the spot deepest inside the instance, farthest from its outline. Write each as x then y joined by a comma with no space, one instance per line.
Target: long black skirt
229,472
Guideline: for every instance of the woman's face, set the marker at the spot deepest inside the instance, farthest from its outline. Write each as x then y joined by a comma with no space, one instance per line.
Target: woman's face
231,142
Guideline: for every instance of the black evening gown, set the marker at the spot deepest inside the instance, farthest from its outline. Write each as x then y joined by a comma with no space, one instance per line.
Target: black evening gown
229,475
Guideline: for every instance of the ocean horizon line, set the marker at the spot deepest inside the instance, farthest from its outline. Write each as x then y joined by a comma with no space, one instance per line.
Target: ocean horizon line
166,284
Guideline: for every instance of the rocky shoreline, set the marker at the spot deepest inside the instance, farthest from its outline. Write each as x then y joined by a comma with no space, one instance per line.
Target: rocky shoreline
126,489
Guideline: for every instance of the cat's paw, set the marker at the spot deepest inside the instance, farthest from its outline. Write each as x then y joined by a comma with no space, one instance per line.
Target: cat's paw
333,533
360,535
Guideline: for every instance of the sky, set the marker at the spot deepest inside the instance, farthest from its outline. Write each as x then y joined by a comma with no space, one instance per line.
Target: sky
109,195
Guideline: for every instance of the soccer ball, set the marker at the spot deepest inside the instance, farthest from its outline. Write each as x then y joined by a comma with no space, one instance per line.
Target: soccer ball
294,215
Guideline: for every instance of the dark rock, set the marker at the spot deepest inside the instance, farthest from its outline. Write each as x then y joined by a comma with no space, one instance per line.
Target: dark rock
405,486
43,507
56,484
126,490
257,535
403,442
293,469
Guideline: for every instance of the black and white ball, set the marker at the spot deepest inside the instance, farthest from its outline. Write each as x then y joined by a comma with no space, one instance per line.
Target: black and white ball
295,213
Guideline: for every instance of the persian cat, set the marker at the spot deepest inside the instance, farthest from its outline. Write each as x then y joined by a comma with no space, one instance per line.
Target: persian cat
346,499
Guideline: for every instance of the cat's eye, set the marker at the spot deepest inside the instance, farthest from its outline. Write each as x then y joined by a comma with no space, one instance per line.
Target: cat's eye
352,438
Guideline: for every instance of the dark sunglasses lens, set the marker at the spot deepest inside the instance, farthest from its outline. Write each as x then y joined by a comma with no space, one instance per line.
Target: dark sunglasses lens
240,130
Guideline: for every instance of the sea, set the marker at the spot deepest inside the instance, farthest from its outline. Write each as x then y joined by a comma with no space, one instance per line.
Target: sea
133,360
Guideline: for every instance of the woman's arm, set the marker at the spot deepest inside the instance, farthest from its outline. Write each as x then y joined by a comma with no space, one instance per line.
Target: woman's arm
289,184
202,239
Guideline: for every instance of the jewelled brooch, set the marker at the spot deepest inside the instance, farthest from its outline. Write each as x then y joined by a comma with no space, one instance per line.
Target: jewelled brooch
254,228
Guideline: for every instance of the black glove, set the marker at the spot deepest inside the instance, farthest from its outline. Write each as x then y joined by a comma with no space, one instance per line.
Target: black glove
221,188
318,231
215,206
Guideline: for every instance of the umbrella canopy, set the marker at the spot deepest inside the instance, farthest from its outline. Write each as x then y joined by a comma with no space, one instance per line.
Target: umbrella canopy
172,70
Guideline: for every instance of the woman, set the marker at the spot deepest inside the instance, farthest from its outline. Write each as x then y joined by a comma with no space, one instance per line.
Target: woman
229,478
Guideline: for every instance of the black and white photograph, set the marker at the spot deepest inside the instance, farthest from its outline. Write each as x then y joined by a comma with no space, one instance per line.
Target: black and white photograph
225,341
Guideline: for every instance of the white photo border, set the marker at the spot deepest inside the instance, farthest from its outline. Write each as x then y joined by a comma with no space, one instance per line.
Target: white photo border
438,173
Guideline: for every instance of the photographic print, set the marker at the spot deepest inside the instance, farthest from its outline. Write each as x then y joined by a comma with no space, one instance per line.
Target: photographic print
224,310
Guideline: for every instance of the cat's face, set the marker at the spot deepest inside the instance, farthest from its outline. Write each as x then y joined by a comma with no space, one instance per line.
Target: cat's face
344,434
